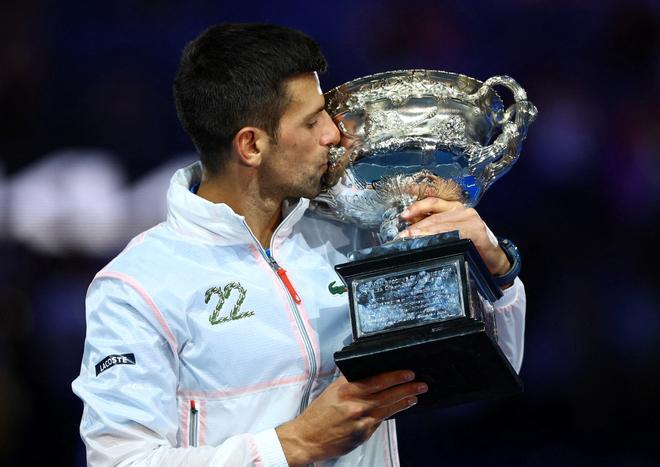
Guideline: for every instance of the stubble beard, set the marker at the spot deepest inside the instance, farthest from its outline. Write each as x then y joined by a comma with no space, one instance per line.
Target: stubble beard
301,186
309,188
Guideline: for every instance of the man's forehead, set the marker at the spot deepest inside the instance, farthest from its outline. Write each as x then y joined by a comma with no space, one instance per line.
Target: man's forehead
303,88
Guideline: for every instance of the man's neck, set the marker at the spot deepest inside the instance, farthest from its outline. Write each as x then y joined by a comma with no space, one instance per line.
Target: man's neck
262,215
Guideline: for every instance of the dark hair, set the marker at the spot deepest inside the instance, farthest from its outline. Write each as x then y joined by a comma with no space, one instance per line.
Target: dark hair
233,75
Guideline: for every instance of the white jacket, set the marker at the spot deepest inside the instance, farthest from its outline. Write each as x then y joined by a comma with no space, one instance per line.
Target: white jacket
195,350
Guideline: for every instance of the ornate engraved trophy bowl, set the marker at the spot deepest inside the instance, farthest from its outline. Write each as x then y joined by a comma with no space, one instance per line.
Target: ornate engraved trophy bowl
447,132
425,303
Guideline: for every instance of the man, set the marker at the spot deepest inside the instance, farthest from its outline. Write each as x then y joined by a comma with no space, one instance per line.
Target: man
210,337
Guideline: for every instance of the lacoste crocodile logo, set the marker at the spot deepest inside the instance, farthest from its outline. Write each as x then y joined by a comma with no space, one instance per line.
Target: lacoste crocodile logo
336,289
223,294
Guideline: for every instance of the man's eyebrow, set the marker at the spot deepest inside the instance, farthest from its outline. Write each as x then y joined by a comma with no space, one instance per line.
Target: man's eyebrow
313,113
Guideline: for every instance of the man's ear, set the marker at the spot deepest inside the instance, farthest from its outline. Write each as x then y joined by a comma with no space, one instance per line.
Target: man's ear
251,144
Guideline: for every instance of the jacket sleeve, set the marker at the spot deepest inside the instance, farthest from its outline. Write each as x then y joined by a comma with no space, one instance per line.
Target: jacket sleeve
128,385
510,322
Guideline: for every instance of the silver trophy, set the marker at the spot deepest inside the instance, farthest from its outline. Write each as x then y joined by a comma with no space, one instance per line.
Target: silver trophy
421,303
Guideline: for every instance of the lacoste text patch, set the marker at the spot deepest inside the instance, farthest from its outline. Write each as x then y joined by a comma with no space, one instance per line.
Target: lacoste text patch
112,360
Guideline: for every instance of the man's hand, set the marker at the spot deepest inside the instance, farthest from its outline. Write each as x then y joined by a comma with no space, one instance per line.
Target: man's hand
345,415
434,215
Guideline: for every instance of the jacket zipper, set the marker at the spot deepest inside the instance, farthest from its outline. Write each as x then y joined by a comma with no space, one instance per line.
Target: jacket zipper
313,370
192,432
294,298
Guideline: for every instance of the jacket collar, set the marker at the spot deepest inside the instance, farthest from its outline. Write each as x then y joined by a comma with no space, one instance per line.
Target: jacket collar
216,222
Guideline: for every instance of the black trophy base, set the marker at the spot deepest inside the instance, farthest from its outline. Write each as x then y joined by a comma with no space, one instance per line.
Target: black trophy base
460,363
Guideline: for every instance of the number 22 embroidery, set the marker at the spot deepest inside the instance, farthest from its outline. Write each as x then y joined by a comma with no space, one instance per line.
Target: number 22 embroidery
223,294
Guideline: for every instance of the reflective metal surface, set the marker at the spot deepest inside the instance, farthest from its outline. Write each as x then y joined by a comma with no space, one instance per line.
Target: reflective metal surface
414,133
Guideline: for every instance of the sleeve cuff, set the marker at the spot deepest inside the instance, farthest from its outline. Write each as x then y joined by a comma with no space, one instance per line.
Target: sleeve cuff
270,449
510,295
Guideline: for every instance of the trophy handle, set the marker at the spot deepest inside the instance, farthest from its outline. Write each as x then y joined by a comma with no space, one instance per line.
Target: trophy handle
515,120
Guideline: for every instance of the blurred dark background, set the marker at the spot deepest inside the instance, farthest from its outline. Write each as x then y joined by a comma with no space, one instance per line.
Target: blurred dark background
89,138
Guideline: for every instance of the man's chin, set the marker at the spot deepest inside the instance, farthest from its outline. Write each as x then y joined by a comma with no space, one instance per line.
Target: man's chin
312,194
311,191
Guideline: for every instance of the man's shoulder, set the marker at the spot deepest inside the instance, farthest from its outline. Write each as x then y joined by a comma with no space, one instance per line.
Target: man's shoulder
153,264
141,244
147,252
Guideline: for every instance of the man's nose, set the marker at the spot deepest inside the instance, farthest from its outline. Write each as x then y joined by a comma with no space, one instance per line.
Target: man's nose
330,136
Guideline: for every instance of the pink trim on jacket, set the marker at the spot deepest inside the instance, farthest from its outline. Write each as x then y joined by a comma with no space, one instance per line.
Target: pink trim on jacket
149,301
241,391
256,456
184,413
391,428
201,423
